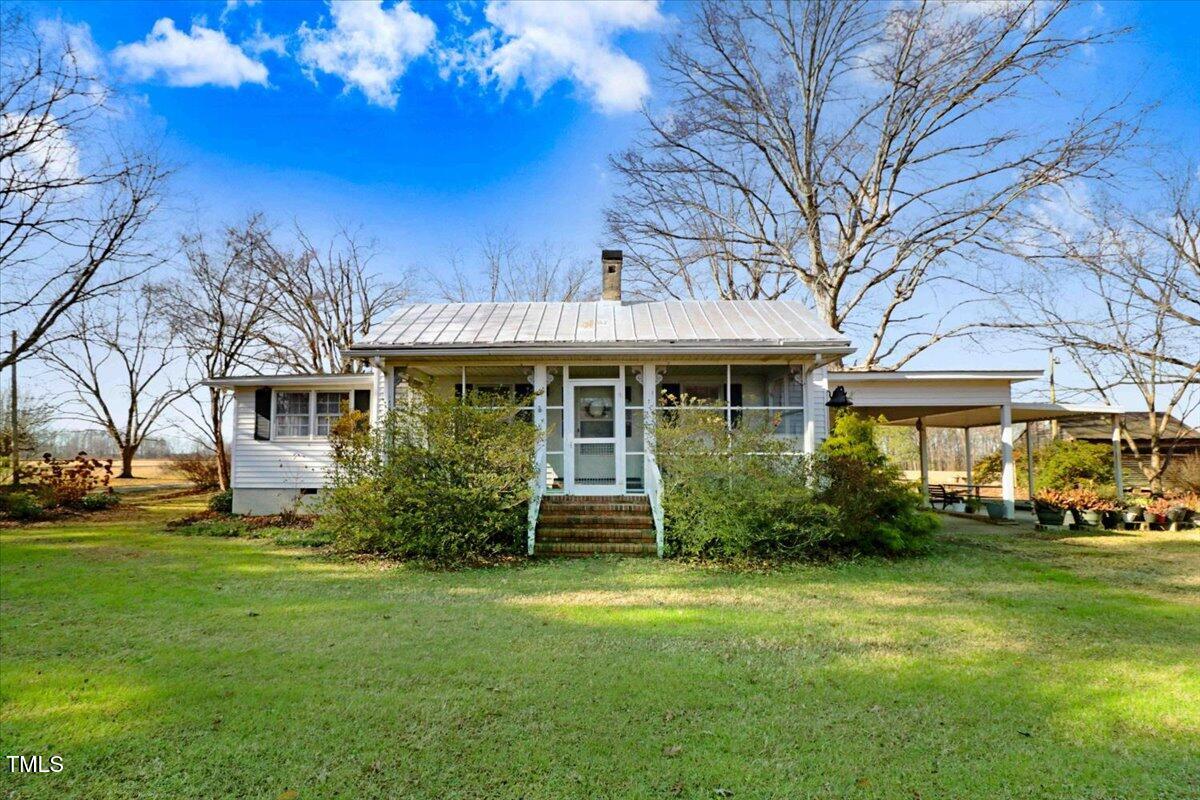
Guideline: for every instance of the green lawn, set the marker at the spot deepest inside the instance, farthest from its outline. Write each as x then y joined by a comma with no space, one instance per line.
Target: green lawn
1006,665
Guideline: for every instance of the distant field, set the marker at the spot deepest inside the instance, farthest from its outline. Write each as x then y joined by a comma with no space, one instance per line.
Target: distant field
148,473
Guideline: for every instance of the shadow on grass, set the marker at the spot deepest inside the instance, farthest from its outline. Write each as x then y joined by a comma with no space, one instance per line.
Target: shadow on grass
223,668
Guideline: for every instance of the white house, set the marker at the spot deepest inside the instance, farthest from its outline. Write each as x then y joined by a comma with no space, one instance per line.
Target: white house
599,372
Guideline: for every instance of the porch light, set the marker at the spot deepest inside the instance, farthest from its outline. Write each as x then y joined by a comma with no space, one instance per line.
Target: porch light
839,398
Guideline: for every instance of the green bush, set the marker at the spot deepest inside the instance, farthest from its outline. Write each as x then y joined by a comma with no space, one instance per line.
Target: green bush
741,493
1058,465
734,494
21,505
1069,463
221,502
440,479
875,511
99,501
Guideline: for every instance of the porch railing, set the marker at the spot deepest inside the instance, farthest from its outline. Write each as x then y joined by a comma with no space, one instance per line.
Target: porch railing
654,494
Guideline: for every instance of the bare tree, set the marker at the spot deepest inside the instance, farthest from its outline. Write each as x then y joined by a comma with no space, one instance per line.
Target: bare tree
869,153
1118,293
75,199
118,361
545,272
217,309
322,299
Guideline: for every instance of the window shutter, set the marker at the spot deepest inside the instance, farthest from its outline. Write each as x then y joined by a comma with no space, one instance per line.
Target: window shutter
362,400
262,414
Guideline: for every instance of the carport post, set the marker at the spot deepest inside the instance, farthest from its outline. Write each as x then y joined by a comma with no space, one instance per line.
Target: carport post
1008,479
970,461
1029,456
1118,478
923,443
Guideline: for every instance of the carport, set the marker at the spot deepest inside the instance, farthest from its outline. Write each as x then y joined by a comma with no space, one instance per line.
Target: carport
965,399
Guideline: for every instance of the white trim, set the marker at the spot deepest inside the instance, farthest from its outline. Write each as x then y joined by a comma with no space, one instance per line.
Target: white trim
357,380
617,440
936,375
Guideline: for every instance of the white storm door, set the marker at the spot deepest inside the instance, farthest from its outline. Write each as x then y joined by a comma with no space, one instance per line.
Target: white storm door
597,437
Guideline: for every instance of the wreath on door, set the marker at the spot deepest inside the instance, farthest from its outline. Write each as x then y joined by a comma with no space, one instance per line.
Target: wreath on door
597,407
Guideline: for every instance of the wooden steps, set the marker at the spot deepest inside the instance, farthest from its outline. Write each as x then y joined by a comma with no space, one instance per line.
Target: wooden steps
584,526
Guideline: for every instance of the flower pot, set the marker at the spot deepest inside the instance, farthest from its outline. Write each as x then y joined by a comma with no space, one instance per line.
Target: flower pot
1110,519
1132,516
1049,515
1178,514
957,508
995,508
1090,518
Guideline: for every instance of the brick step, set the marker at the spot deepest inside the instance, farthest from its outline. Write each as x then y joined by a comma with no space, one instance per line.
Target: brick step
595,530
616,536
594,508
558,520
593,548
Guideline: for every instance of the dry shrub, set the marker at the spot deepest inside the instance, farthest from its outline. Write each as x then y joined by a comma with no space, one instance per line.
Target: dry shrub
199,470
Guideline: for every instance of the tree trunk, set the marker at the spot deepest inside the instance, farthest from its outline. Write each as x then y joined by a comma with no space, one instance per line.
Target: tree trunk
127,454
216,419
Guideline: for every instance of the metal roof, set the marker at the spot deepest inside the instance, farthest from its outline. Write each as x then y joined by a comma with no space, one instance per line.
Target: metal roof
607,325
296,379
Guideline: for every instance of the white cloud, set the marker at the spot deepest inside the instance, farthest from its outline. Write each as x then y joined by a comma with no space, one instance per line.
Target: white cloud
232,5
261,42
46,156
202,56
368,47
542,43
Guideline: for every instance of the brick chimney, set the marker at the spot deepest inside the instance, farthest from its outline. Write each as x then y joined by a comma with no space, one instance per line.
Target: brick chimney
610,272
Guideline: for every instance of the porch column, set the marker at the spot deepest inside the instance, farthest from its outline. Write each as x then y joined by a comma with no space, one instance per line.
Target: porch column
970,460
1029,456
539,457
923,447
1008,479
1118,478
649,446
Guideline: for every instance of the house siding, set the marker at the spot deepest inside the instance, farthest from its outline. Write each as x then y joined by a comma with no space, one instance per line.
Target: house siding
274,464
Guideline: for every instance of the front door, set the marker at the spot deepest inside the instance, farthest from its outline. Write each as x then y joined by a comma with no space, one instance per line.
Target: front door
596,427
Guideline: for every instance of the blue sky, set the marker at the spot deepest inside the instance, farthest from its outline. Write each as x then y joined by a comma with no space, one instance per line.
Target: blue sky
262,106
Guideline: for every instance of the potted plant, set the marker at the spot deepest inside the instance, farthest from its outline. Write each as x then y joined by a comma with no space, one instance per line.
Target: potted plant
1088,506
1156,510
1050,507
995,508
1135,508
971,505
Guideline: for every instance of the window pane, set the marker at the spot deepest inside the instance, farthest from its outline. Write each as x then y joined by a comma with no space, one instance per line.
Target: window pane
330,406
291,413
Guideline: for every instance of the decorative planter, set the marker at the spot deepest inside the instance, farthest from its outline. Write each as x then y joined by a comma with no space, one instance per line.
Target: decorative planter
1132,516
1048,515
995,508
1091,518
957,508
1178,514
1110,519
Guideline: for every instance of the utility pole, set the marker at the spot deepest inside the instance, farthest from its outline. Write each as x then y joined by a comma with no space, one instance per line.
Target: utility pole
14,450
1053,398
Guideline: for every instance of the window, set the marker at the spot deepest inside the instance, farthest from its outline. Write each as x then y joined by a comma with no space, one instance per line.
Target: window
292,413
330,406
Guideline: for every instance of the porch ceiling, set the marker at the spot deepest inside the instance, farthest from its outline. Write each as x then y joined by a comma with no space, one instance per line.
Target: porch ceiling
936,416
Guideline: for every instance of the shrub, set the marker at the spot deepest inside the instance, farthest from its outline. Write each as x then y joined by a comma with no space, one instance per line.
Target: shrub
65,483
439,479
199,470
99,501
1184,472
734,494
221,502
1058,464
1067,463
741,493
875,511
20,505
